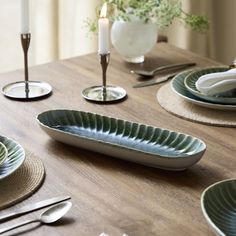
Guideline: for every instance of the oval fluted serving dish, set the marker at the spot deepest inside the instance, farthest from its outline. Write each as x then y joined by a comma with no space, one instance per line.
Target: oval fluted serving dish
218,203
134,142
15,157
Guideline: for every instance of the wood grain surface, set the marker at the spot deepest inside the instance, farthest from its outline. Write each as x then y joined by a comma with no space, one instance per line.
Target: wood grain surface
111,195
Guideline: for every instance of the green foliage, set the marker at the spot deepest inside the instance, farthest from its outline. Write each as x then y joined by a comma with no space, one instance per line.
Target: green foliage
91,25
160,12
197,23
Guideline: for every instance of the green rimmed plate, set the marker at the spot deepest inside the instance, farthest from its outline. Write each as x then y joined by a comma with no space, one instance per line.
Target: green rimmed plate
218,203
3,153
179,88
192,78
134,142
15,157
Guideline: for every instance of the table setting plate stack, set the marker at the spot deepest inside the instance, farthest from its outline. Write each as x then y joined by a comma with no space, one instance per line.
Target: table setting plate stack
182,98
12,156
184,84
220,99
21,172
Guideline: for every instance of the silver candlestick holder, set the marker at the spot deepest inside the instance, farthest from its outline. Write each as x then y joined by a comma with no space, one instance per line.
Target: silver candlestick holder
104,93
26,90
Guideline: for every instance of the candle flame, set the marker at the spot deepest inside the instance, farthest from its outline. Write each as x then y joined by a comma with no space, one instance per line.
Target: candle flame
104,10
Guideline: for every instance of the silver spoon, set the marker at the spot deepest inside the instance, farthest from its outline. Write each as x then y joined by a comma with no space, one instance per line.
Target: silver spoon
49,216
161,69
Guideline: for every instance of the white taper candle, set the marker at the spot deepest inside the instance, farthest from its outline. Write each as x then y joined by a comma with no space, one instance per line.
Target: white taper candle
103,32
25,16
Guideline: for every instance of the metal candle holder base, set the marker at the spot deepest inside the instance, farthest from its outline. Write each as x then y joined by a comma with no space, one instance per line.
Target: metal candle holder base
26,90
104,93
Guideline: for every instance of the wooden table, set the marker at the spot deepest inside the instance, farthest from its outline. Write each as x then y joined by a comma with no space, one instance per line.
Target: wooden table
111,195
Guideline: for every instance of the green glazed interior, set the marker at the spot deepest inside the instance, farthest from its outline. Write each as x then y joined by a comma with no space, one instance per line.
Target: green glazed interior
219,207
122,133
3,153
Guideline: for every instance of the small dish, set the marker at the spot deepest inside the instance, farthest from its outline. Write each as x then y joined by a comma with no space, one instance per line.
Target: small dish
218,203
3,153
15,157
190,84
179,88
139,143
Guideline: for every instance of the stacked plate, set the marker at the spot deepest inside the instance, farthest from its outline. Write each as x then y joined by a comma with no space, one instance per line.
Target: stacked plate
12,156
184,84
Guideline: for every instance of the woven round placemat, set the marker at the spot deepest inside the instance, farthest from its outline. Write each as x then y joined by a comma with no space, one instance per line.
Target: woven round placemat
22,183
176,105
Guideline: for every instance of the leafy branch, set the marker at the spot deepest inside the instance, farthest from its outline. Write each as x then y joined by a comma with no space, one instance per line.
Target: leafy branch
160,12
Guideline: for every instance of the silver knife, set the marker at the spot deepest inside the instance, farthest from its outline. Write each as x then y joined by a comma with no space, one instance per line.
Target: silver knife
32,207
156,80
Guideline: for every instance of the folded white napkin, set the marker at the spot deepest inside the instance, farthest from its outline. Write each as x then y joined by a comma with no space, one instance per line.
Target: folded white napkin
216,83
